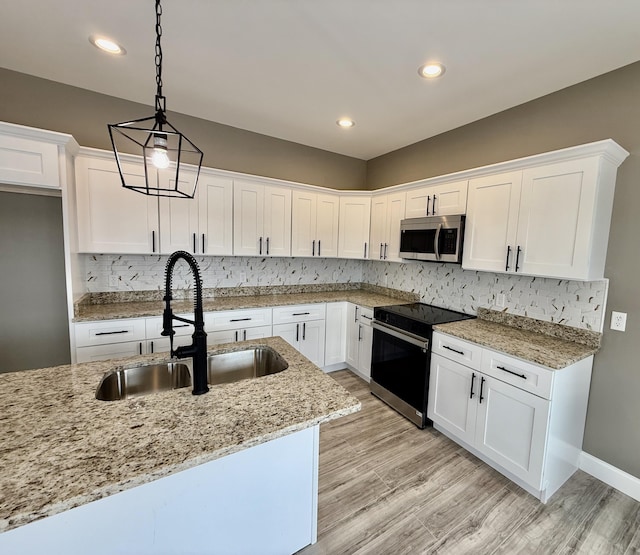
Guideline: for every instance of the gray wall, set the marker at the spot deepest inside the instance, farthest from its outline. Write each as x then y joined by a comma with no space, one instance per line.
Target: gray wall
604,107
36,102
34,332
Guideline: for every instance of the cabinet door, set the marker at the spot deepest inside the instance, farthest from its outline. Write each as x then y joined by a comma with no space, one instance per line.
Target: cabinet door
328,210
416,200
179,222
277,221
353,335
215,221
106,352
289,332
248,214
364,350
554,226
258,332
355,214
222,336
335,351
378,236
451,404
311,342
112,219
395,214
449,198
491,225
511,429
303,223
162,345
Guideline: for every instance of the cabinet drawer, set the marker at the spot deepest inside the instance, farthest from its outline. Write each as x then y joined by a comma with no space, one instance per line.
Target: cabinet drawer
154,326
365,315
234,319
456,349
522,374
298,313
109,331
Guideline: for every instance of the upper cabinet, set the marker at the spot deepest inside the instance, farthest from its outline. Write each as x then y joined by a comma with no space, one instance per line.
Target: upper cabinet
314,223
387,211
355,216
550,219
437,200
112,219
261,219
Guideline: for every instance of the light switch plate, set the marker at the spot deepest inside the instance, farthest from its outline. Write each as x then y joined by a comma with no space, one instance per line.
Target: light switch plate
618,321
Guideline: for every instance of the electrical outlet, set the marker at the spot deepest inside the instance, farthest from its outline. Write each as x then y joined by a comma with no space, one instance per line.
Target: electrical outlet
113,281
500,299
618,321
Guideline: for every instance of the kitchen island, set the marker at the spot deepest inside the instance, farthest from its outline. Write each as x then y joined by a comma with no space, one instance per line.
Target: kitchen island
64,451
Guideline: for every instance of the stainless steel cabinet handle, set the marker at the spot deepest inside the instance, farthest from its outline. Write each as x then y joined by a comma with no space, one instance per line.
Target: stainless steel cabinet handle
437,242
356,313
359,332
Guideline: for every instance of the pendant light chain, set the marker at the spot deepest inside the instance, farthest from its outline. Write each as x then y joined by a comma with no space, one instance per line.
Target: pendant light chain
160,100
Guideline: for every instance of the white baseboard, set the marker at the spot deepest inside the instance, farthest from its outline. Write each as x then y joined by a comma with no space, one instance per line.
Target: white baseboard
610,475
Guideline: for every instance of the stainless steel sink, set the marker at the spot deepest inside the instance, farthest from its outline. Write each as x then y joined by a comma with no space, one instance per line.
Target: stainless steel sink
143,380
240,365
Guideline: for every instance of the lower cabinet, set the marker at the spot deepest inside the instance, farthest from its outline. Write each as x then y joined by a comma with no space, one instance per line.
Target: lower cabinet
335,347
229,326
302,326
238,334
535,439
359,340
111,350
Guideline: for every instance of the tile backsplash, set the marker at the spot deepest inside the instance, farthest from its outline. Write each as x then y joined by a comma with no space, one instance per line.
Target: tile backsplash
573,303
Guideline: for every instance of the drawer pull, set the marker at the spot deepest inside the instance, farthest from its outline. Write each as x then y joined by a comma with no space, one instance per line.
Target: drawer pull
452,349
511,372
367,317
112,332
239,319
301,314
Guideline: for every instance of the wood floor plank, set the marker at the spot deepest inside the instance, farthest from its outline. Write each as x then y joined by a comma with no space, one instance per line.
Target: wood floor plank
549,528
459,502
407,537
610,528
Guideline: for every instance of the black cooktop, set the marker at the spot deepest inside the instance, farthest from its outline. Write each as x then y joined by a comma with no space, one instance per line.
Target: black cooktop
417,318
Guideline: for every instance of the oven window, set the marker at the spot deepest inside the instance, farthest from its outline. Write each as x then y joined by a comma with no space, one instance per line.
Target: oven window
418,241
401,368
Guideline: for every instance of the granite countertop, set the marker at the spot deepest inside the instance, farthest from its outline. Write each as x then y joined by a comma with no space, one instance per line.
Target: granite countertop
543,343
141,308
62,448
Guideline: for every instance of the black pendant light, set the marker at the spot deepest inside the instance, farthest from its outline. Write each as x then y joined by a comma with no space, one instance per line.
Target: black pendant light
171,161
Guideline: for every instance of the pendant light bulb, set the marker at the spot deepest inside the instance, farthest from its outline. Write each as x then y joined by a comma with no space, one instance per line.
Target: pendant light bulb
160,158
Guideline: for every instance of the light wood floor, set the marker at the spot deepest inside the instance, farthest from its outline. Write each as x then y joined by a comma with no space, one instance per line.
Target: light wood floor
386,487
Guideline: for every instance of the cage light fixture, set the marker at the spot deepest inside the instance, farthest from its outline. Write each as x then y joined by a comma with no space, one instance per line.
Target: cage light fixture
171,161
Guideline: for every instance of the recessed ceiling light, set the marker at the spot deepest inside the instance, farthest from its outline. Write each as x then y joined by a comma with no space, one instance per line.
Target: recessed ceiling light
107,45
431,70
345,123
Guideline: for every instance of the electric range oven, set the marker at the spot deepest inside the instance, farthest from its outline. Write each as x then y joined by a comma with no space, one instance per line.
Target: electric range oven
401,356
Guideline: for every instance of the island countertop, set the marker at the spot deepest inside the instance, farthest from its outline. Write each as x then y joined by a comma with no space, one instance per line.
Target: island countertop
62,448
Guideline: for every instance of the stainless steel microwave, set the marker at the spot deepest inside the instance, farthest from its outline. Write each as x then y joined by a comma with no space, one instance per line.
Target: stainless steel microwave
435,238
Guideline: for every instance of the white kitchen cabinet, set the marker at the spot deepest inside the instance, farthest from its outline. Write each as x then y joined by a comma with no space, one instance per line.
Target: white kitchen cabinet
487,404
105,339
215,221
355,216
112,219
359,340
549,219
303,327
238,334
437,200
108,351
178,220
387,211
314,224
335,351
227,326
261,219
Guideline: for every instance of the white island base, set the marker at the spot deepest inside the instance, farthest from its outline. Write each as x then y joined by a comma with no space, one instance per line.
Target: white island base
263,499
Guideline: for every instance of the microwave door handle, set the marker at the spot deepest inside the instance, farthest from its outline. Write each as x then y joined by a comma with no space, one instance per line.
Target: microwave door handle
437,242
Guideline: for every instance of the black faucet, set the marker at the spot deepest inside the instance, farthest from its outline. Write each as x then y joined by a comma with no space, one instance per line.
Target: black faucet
198,349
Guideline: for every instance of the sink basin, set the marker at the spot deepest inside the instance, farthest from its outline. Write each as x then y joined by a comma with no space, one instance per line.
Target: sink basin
143,380
239,365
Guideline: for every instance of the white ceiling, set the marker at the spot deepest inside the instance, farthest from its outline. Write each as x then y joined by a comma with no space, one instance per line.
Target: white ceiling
291,68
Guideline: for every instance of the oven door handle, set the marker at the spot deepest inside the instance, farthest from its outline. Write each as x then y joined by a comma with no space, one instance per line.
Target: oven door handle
401,334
